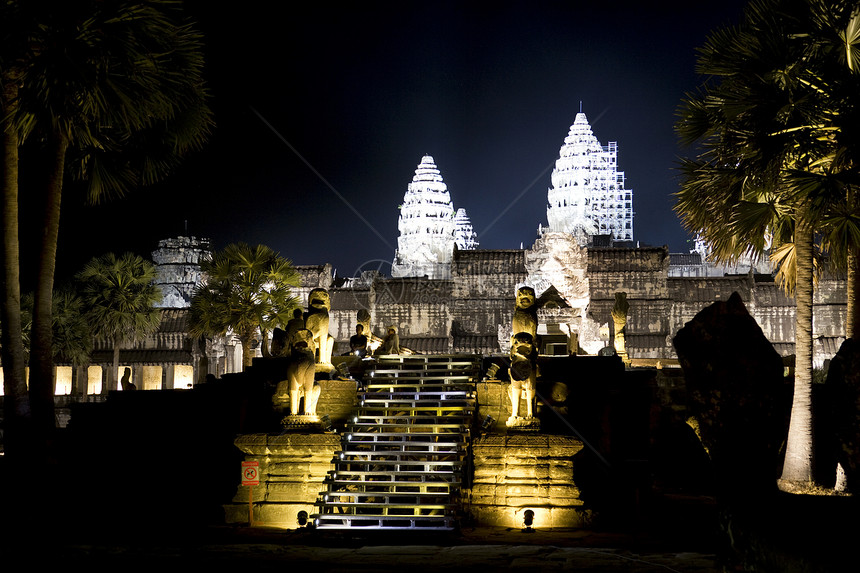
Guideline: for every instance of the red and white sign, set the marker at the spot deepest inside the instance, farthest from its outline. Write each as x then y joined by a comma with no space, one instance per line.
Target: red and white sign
250,473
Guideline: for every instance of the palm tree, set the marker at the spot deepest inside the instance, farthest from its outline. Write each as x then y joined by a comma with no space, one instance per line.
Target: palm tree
119,294
16,401
72,334
114,92
770,124
246,290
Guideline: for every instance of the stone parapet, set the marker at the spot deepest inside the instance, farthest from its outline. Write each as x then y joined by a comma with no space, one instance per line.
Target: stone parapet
524,471
292,470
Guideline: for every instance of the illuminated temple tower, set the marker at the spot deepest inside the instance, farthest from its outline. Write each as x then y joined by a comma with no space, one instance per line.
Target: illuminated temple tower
425,246
464,235
587,196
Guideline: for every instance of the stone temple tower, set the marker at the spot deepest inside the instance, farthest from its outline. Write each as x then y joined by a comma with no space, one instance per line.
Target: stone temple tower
425,246
177,267
464,234
588,195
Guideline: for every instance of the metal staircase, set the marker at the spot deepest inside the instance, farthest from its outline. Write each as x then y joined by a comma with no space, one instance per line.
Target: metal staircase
404,448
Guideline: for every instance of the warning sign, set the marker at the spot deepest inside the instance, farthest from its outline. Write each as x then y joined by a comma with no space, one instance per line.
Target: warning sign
250,473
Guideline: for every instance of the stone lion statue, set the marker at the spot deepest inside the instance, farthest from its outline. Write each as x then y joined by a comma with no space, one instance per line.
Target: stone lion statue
317,321
300,376
523,373
619,321
525,313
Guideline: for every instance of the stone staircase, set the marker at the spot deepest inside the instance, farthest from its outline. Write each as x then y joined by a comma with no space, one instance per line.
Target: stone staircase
403,453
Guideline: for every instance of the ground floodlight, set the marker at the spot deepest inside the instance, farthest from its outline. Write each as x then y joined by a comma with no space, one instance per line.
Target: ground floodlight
528,520
487,423
302,518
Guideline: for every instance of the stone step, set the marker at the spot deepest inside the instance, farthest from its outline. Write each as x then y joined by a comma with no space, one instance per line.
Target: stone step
425,522
394,399
404,487
426,476
370,455
403,450
406,438
416,410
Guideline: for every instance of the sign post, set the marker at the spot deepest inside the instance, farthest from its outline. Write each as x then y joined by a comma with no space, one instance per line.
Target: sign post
250,478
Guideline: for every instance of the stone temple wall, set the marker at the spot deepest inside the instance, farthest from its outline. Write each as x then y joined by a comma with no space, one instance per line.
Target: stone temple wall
476,304
484,289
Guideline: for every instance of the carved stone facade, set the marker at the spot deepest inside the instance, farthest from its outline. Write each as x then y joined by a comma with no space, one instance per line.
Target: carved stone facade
177,263
472,310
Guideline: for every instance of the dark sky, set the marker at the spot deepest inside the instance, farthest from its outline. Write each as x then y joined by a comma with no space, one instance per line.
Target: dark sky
324,111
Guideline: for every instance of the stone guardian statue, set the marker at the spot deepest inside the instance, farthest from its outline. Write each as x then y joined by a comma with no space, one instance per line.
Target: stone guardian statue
524,352
619,321
317,321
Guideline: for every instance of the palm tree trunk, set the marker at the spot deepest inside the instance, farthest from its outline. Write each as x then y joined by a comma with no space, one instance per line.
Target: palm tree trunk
797,468
41,345
16,401
247,355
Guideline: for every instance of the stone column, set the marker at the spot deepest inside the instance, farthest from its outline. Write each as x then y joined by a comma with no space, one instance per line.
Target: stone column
168,376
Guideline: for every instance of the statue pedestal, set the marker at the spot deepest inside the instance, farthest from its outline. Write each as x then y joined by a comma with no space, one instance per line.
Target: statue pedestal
520,424
324,367
293,468
300,422
515,473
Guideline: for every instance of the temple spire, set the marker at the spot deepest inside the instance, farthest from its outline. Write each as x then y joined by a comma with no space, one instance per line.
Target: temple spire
588,195
426,224
464,235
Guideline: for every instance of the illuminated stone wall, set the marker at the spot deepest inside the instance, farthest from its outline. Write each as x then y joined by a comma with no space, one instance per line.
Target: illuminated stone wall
484,284
472,310
517,472
416,306
292,470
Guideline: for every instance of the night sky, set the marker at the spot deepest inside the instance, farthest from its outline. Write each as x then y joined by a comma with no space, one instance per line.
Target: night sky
323,114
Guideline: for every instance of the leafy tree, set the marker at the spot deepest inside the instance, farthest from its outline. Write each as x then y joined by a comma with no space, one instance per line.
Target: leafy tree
247,290
119,294
777,122
113,91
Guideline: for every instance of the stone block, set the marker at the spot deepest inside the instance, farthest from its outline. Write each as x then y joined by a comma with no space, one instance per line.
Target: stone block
520,471
293,468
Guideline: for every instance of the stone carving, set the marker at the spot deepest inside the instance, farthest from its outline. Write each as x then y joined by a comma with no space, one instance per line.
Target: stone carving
843,385
300,383
317,321
523,373
524,352
619,320
525,314
736,397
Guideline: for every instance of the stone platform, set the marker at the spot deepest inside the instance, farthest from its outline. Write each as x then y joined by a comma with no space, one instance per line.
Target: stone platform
292,469
525,471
